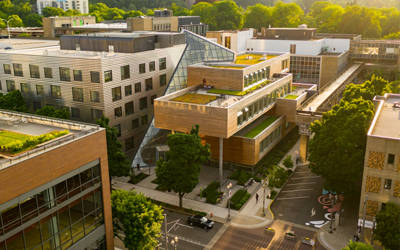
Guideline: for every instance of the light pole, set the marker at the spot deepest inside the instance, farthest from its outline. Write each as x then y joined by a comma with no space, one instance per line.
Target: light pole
8,28
333,200
229,201
372,232
175,242
265,185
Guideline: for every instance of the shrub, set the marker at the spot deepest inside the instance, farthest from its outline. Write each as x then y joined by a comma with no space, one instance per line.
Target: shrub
273,194
287,162
211,188
241,176
136,179
239,198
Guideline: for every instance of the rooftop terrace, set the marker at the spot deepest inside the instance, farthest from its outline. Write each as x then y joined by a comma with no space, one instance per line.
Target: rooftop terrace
387,118
252,59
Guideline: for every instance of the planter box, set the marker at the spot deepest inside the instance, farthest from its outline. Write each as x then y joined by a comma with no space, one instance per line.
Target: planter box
308,241
270,231
290,236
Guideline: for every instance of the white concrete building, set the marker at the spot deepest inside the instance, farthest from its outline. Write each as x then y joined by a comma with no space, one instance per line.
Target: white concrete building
232,39
81,5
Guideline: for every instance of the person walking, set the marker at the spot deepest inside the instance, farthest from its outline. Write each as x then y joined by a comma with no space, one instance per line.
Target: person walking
256,198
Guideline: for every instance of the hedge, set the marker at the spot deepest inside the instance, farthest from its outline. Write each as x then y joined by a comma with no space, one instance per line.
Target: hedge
136,179
242,177
239,198
211,193
177,208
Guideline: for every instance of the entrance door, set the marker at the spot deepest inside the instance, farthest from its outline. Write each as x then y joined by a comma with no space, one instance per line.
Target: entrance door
228,42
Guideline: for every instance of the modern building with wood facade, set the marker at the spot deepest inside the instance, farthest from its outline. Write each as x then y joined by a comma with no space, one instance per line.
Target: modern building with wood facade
55,195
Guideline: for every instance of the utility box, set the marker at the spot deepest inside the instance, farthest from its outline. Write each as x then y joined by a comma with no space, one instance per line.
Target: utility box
337,219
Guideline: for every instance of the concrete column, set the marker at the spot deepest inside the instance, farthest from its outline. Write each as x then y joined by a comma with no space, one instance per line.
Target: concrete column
221,160
304,139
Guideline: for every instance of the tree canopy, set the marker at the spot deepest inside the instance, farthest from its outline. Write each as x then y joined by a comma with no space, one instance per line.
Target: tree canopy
358,246
52,112
181,168
13,101
138,218
367,90
388,227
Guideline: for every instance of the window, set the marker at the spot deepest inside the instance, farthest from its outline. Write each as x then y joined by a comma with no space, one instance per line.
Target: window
65,74
292,48
391,159
77,94
142,68
7,68
128,108
118,112
94,96
10,85
135,123
107,76
76,113
149,84
163,80
95,76
388,183
138,87
144,120
48,72
96,114
1,86
36,106
128,90
34,69
116,94
18,69
125,73
285,64
39,90
129,144
153,97
143,103
77,75
162,63
55,91
152,66
24,88
118,127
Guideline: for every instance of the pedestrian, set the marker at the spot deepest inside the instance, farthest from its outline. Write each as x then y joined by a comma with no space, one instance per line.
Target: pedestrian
138,167
256,198
297,159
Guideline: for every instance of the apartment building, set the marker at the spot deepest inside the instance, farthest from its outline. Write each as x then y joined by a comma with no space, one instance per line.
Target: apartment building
381,177
56,26
81,5
118,76
54,195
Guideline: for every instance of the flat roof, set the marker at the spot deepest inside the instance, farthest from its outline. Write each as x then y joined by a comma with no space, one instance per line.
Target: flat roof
386,122
19,43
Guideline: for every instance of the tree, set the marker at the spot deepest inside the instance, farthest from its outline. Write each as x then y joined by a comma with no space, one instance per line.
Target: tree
205,1
337,149
286,14
181,168
392,36
16,22
287,162
138,218
227,16
367,90
356,20
51,11
388,227
118,165
328,19
257,16
133,13
33,20
13,101
203,10
52,112
358,246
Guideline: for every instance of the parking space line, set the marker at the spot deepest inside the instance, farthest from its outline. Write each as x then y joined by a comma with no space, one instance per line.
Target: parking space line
305,177
300,197
301,183
298,190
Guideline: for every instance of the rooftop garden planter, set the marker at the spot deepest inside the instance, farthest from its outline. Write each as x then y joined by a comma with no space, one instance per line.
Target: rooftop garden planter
255,58
290,235
269,230
291,96
255,131
239,93
195,98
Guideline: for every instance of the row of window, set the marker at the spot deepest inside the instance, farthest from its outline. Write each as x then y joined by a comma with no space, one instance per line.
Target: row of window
65,73
256,76
129,143
271,138
129,106
285,64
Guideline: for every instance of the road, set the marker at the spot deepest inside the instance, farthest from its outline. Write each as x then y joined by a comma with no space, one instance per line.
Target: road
256,239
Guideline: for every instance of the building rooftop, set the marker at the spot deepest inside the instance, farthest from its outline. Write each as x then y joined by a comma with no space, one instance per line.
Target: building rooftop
24,135
252,59
386,122
18,43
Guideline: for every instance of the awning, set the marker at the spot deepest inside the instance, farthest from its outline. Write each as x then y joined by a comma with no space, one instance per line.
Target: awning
239,113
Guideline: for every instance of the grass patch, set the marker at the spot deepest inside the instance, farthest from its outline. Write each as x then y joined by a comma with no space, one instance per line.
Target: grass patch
226,67
177,208
195,98
255,59
160,188
291,96
7,137
156,181
255,131
239,198
137,178
239,93
294,87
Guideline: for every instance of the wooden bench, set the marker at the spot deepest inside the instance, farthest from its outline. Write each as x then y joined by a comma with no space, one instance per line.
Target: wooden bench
249,182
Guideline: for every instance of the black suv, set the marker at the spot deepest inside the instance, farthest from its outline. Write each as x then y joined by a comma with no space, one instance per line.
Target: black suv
200,221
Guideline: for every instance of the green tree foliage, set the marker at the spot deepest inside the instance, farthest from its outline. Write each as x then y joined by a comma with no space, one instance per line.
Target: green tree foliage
16,21
337,149
13,101
133,13
356,20
286,14
227,16
287,162
358,246
388,227
367,90
52,11
138,218
52,112
204,10
392,36
33,20
258,16
277,177
181,168
118,165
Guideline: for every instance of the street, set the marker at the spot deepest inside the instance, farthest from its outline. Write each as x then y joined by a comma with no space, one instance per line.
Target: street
252,239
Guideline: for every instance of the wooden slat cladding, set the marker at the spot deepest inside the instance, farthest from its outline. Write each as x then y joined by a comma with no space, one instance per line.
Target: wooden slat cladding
86,62
228,79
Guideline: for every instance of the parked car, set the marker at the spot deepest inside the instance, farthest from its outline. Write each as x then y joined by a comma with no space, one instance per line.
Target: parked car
200,221
7,48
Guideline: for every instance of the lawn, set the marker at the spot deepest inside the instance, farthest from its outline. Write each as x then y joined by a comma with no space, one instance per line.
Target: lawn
291,96
7,137
194,98
239,93
226,67
255,131
256,59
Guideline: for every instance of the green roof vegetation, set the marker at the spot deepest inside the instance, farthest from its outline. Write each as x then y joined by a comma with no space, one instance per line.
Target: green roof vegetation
239,93
243,59
294,87
225,67
194,98
14,143
291,96
255,131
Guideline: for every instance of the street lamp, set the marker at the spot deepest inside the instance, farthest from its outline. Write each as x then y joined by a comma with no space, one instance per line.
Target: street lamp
265,185
175,242
229,200
333,200
8,28
372,232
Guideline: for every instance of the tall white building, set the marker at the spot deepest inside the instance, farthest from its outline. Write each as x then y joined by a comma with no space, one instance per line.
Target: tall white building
81,5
